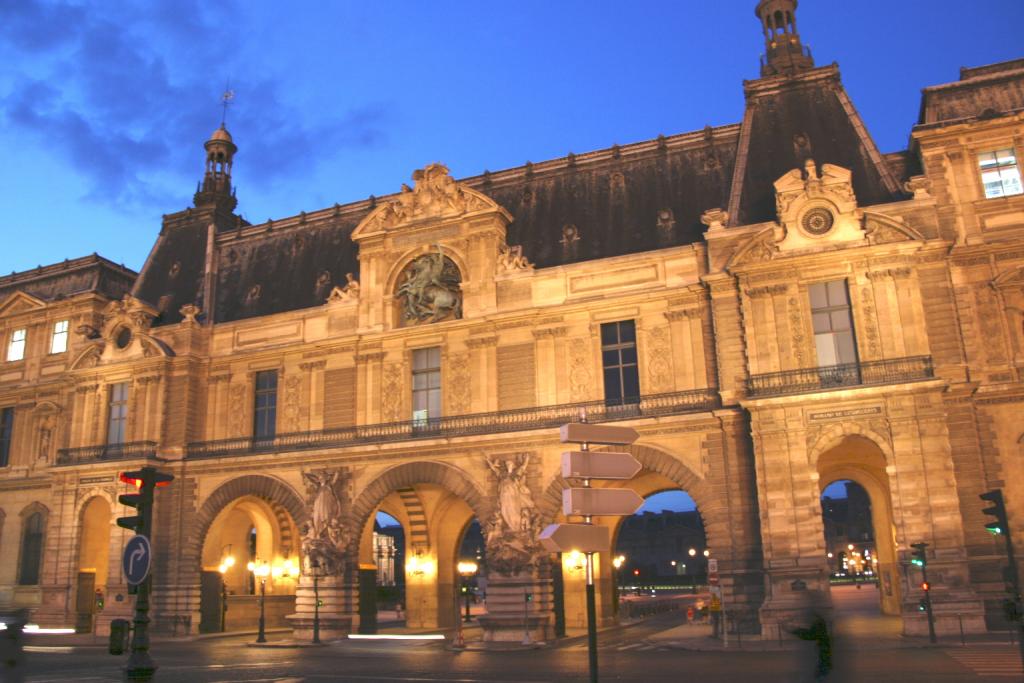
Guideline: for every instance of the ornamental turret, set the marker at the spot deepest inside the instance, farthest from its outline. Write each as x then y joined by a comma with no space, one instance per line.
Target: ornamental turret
784,55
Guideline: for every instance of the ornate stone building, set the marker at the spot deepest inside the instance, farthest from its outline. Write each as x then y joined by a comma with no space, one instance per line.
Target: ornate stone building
774,305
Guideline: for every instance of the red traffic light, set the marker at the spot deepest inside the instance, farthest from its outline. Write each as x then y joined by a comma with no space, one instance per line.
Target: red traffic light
925,586
136,478
636,572
130,479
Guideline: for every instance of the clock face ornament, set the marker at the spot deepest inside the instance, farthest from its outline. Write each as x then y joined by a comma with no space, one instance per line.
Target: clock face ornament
817,221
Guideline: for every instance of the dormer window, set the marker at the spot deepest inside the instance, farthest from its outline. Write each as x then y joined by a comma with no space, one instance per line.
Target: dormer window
1000,174
16,346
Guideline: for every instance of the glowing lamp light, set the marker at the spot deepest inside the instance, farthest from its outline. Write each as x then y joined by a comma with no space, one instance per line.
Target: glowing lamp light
693,552
707,553
467,568
226,564
419,566
619,561
574,560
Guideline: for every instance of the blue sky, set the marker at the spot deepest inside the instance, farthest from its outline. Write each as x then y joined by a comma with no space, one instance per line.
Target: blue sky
104,106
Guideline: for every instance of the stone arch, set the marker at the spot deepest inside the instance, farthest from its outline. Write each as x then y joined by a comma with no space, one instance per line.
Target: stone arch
406,476
86,497
267,488
27,513
657,461
834,434
400,264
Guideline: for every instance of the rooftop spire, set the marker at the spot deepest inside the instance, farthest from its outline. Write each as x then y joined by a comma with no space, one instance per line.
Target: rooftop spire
784,55
220,154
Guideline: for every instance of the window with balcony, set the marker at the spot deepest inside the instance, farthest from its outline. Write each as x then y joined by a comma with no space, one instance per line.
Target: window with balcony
833,323
426,386
118,413
618,357
265,409
1000,175
59,340
6,435
16,346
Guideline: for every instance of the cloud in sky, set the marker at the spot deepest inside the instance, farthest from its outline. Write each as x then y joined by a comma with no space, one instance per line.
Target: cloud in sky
113,88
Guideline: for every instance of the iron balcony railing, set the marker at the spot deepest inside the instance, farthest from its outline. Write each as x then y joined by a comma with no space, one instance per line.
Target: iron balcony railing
464,425
102,452
873,372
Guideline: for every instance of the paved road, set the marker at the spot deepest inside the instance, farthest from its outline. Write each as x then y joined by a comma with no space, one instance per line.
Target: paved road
624,657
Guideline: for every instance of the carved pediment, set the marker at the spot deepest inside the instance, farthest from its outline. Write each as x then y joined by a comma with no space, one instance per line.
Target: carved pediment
882,229
20,302
815,208
758,249
434,195
1010,279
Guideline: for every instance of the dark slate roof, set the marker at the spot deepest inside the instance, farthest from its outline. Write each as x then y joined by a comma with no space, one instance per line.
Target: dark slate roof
173,275
982,91
791,120
621,200
76,276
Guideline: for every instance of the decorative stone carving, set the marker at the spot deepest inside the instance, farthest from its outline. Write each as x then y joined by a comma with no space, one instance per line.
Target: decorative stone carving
189,313
919,186
813,206
87,331
236,399
715,219
867,308
659,367
797,329
580,375
435,195
324,536
511,259
459,389
512,531
292,408
882,229
391,393
430,290
759,249
349,292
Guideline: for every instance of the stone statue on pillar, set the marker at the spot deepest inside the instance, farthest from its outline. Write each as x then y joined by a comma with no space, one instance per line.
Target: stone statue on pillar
511,533
324,537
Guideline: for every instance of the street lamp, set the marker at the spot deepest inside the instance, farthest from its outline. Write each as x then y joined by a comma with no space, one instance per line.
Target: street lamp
225,565
692,552
261,570
466,570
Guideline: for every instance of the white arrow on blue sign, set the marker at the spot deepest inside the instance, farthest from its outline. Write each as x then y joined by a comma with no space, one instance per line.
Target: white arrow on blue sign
137,559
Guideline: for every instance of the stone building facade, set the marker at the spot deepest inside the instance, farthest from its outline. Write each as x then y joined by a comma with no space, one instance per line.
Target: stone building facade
774,305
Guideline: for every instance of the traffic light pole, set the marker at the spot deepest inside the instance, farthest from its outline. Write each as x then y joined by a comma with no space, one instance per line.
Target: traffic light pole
140,665
928,604
1014,577
591,618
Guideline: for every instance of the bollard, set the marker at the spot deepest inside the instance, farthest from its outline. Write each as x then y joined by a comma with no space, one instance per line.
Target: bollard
119,636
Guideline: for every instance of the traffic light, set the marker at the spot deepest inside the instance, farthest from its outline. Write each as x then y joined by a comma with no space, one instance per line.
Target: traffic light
922,605
145,480
925,586
919,557
998,510
529,597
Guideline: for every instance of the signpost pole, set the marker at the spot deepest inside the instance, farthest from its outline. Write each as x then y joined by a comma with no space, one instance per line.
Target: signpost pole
591,618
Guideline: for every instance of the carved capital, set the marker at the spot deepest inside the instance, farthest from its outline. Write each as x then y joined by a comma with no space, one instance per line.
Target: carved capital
683,314
482,342
552,332
313,365
767,290
370,357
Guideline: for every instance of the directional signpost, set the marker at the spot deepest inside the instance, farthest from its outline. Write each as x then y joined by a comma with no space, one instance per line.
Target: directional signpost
138,558
587,502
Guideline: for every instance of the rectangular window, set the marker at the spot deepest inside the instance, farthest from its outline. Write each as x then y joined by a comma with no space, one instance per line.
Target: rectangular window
59,340
426,386
265,413
833,323
6,435
1000,174
16,347
118,413
618,356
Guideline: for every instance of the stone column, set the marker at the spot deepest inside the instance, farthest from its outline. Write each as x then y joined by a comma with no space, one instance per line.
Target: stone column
547,362
315,400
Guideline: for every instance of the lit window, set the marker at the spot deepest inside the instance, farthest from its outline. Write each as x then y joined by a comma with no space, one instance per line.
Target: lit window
16,347
59,341
1000,174
265,412
118,413
618,356
833,324
426,385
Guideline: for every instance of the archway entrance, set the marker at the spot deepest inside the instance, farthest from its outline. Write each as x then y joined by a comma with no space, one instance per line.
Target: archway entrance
409,551
93,563
250,551
860,534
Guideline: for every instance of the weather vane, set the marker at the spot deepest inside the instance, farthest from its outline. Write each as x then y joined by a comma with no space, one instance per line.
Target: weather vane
225,99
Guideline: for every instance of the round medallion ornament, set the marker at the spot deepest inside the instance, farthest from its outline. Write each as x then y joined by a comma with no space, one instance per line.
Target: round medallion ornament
817,221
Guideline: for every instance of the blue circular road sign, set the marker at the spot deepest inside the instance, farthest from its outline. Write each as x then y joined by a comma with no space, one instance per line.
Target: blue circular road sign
138,558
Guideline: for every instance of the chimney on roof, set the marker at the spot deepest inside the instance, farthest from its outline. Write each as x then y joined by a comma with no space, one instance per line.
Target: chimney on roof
784,55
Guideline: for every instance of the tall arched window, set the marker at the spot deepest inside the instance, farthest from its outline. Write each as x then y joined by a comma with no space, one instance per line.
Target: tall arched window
31,549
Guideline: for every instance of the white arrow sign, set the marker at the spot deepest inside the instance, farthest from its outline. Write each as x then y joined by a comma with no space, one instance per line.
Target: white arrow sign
577,432
584,538
599,465
593,502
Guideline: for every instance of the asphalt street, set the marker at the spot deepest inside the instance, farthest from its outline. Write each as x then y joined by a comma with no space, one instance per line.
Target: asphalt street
626,655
